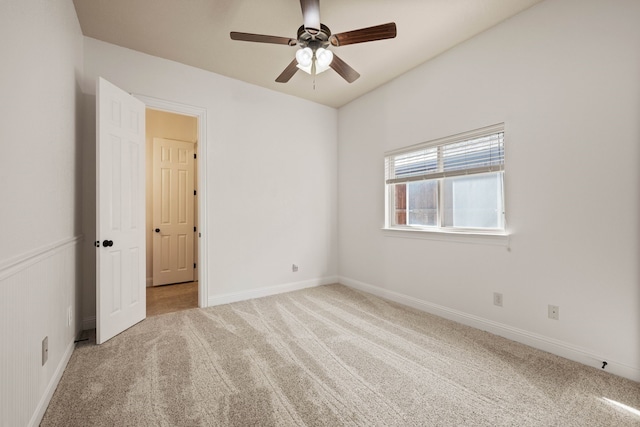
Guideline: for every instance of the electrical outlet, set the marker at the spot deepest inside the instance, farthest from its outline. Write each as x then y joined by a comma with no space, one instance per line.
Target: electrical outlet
554,312
294,268
497,299
45,350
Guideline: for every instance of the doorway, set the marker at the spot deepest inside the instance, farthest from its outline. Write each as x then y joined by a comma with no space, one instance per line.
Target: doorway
201,178
171,211
121,217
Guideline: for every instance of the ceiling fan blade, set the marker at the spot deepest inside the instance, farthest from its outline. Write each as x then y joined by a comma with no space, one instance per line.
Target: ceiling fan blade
288,72
369,34
261,38
344,69
311,15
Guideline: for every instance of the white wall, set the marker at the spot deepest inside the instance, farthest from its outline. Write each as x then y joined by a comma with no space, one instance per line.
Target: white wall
271,164
41,51
564,77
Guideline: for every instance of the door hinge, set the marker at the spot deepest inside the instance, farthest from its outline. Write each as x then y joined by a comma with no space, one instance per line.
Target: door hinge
195,156
194,265
194,192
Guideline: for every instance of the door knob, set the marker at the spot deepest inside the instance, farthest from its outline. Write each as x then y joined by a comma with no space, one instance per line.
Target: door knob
107,243
157,230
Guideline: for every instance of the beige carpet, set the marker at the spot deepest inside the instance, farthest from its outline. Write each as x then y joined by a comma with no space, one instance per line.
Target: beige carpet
328,356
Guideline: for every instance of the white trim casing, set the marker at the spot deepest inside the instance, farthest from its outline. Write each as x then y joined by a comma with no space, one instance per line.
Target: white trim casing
495,239
271,290
201,115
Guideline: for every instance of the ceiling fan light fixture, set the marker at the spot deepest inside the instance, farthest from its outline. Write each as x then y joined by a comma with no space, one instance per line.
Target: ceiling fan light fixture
304,57
324,57
314,38
306,69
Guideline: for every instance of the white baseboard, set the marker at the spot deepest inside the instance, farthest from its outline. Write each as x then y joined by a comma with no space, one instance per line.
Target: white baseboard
43,404
551,345
88,323
271,290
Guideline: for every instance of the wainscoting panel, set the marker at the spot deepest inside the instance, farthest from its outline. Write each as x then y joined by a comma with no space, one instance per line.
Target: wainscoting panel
39,297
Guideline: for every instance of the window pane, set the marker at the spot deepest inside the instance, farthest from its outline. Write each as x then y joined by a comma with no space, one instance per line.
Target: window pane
422,202
474,201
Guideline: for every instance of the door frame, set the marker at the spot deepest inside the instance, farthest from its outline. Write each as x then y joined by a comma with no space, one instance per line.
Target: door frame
201,115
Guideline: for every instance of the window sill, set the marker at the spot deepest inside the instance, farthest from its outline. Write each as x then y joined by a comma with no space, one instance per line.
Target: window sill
498,238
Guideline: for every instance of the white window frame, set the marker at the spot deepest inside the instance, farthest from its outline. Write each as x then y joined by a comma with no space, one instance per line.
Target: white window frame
439,176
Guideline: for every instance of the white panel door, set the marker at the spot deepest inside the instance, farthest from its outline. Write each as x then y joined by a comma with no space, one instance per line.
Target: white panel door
120,186
173,217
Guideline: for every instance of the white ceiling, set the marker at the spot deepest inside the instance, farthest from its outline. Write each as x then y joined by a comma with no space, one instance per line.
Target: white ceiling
196,33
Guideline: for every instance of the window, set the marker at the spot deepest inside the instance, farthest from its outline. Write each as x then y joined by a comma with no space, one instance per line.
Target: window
452,184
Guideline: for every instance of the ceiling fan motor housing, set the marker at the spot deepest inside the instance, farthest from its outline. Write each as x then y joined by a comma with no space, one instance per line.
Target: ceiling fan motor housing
314,41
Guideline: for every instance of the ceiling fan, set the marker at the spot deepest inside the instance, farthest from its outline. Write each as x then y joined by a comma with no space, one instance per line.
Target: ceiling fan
314,40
